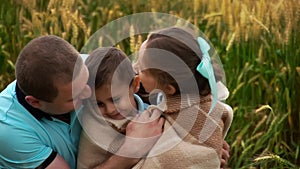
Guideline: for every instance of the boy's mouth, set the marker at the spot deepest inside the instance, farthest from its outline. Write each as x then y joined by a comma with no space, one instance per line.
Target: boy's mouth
117,116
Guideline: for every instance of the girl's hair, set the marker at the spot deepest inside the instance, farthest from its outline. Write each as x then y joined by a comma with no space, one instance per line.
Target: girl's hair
106,62
182,44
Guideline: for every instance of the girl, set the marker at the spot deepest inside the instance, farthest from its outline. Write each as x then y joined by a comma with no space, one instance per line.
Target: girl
174,62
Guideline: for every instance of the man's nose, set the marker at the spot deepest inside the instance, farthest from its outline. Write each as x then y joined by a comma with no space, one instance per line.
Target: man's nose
86,93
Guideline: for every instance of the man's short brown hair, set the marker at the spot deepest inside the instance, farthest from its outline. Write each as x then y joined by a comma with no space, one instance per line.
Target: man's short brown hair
44,61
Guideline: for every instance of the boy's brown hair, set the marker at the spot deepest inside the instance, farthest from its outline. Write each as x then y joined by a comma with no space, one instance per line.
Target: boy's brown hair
43,63
106,62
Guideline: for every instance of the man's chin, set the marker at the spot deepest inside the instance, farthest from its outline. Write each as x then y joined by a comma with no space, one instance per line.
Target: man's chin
77,107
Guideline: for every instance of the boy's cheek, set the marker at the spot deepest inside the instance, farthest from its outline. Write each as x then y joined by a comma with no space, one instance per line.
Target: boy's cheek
127,109
102,111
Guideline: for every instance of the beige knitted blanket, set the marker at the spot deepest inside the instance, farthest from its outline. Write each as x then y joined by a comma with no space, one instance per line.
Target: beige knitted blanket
191,138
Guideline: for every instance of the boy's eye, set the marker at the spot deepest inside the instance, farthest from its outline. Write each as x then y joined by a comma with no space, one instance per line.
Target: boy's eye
100,104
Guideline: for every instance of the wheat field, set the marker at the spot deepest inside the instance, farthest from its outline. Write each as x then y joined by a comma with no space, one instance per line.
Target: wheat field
257,41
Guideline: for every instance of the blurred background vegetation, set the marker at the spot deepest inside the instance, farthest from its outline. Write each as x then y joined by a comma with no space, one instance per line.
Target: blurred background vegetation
257,41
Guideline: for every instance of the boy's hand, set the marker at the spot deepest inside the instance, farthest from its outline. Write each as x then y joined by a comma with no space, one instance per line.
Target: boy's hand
142,133
225,154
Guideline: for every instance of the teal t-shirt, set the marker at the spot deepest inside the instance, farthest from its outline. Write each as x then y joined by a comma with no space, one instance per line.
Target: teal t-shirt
26,142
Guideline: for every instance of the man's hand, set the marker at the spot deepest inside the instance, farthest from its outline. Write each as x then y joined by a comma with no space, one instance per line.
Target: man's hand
225,154
142,133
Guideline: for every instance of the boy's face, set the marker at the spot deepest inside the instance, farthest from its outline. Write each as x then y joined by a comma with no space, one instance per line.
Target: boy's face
117,104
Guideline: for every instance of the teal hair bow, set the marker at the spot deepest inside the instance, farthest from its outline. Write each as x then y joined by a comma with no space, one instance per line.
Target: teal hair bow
205,68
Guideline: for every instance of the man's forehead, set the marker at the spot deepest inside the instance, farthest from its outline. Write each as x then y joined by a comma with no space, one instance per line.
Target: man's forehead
78,84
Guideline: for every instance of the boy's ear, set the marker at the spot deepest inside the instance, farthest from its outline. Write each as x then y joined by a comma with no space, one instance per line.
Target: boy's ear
136,84
34,102
170,89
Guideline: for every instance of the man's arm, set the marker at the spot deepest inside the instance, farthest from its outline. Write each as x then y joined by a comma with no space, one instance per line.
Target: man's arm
58,162
118,162
225,154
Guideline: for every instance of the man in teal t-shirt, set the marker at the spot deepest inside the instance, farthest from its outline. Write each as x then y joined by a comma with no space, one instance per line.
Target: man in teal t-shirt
35,138
38,125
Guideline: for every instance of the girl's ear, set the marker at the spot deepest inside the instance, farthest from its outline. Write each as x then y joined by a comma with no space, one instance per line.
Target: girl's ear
170,89
34,102
136,84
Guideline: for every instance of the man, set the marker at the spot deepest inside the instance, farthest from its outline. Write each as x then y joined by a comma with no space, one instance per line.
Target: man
38,124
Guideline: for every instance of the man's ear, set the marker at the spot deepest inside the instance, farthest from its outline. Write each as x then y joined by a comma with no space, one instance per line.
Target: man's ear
170,89
32,101
136,84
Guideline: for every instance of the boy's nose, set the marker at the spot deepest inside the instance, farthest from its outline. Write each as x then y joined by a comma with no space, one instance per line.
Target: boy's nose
110,108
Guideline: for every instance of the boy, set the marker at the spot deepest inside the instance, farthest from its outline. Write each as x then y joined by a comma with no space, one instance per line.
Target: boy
111,107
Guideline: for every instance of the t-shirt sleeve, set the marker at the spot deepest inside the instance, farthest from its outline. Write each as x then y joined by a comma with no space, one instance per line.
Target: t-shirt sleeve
21,148
49,160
